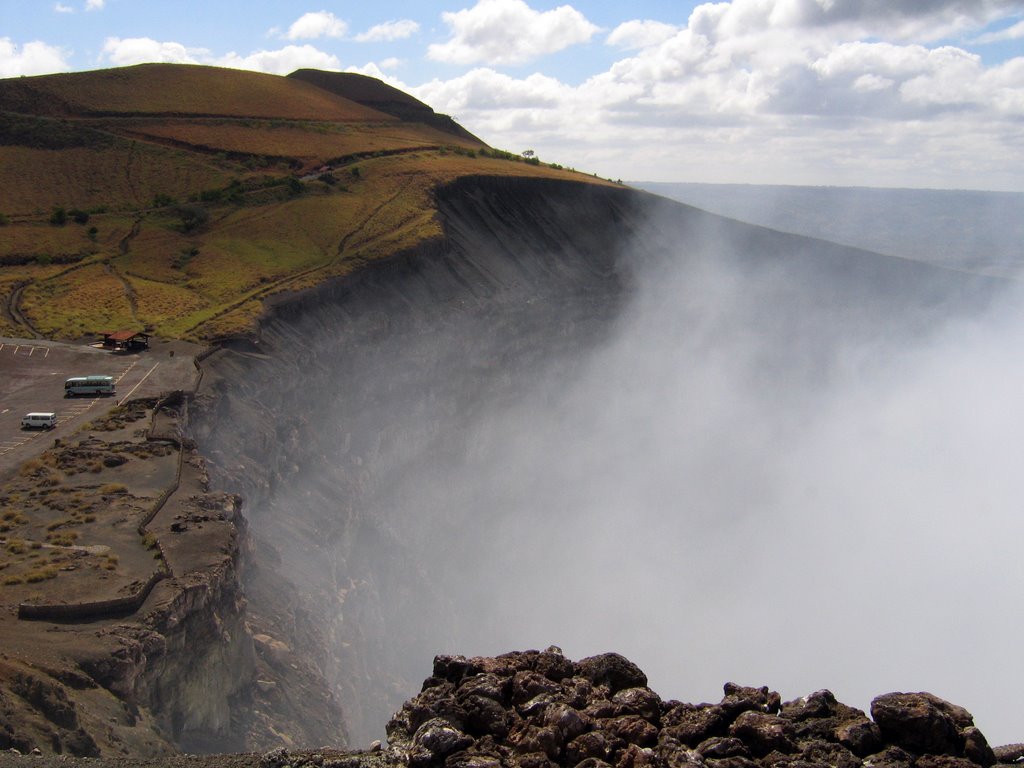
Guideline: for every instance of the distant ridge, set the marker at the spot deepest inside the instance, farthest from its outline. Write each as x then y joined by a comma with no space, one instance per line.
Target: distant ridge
374,93
179,90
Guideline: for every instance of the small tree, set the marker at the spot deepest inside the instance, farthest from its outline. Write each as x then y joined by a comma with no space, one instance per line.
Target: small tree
59,217
528,153
192,216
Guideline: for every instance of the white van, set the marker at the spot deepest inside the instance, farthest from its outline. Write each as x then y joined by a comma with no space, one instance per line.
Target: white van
39,421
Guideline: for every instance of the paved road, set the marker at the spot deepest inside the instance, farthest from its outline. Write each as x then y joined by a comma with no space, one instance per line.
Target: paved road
32,375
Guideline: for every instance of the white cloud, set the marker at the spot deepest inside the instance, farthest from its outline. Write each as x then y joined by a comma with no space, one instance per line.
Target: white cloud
923,20
316,24
377,70
500,32
123,52
641,34
390,30
61,8
280,62
486,90
34,58
94,5
722,100
1014,32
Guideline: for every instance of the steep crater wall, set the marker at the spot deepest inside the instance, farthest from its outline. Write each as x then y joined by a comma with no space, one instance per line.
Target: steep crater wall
362,399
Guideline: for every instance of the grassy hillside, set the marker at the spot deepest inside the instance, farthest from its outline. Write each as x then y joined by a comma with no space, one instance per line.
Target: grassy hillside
177,198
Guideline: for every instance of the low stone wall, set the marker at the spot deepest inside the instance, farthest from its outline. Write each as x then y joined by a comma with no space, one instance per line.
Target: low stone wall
100,609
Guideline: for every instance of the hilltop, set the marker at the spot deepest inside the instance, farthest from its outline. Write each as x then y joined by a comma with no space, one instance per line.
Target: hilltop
177,198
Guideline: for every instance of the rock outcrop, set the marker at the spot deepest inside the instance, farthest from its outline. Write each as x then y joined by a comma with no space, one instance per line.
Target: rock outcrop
538,709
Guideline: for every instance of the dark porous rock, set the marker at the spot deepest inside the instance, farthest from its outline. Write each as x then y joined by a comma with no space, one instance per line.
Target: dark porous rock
532,760
763,733
577,692
568,721
890,757
438,701
470,760
741,698
274,758
1009,753
859,735
613,670
434,740
675,755
554,666
596,744
732,762
718,747
600,707
537,709
692,724
828,753
632,729
816,705
526,685
943,761
921,722
976,748
487,685
639,701
486,716
636,757
454,668
526,738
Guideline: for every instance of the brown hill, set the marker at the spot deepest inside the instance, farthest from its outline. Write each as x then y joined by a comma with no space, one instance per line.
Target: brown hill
177,198
377,94
176,89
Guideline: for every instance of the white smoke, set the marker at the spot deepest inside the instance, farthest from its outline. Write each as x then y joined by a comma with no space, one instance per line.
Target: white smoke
731,491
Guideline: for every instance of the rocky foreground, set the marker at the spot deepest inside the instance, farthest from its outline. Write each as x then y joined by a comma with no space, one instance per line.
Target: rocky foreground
539,709
534,709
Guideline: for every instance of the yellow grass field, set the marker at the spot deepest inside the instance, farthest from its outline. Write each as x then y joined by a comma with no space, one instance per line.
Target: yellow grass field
82,301
311,143
121,178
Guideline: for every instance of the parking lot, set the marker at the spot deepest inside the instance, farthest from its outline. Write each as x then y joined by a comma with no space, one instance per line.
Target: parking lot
32,375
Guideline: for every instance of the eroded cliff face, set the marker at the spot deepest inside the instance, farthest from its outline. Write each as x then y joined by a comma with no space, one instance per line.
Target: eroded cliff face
342,423
397,356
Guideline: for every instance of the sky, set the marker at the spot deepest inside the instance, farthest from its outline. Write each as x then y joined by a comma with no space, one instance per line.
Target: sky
888,93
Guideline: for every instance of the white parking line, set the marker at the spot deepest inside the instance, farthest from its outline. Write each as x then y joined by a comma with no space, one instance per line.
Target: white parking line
125,372
123,399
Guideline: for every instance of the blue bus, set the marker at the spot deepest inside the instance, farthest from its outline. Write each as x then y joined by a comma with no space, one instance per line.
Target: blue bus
89,385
